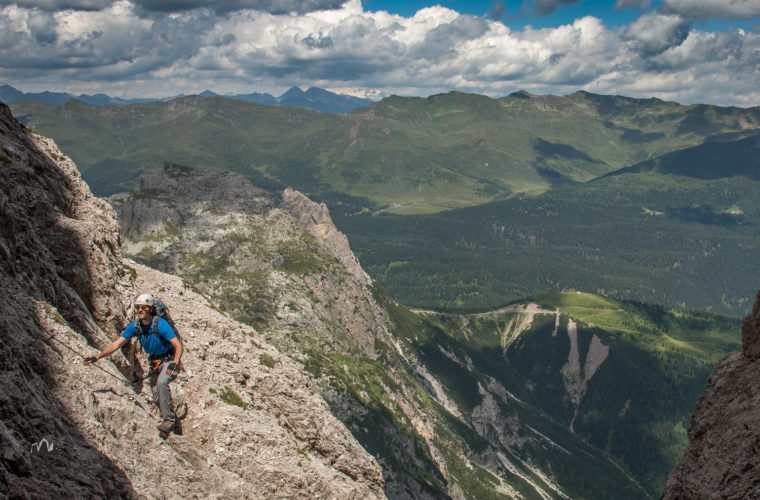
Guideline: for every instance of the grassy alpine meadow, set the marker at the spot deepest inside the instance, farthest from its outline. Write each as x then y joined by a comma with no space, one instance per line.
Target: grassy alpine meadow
405,154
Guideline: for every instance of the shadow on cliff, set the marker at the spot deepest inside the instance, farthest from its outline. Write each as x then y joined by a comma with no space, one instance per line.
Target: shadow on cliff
44,281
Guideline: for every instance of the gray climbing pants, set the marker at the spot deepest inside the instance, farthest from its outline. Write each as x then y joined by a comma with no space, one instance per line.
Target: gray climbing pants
162,395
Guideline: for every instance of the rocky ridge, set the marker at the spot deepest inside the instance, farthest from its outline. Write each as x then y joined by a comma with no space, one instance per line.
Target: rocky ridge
254,425
283,267
229,226
723,456
315,218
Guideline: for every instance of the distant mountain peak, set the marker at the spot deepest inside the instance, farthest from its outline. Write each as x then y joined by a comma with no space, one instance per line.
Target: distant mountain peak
9,94
521,94
319,91
314,98
293,91
321,99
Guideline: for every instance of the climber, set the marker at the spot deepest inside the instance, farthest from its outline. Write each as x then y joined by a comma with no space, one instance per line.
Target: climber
162,344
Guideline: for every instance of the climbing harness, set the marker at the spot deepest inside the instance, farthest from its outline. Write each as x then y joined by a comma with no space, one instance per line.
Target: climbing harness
155,365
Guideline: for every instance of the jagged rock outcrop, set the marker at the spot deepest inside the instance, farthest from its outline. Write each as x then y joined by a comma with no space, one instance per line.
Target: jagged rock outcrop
353,306
254,425
227,236
723,456
315,218
213,195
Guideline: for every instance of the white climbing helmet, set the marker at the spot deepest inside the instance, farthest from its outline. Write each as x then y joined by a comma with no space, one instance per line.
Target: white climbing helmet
145,299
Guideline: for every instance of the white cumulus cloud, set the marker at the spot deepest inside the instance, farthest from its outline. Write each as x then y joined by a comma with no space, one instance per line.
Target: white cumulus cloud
657,32
125,49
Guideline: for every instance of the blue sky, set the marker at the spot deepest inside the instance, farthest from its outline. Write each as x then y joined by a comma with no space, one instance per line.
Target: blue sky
689,51
516,14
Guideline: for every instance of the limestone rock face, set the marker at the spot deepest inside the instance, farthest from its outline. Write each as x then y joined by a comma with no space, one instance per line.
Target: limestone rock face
723,456
253,426
205,194
61,287
354,307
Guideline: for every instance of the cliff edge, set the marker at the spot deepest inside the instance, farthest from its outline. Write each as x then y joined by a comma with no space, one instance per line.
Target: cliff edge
723,456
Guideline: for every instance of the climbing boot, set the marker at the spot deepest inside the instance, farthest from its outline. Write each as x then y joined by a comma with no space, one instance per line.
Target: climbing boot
165,428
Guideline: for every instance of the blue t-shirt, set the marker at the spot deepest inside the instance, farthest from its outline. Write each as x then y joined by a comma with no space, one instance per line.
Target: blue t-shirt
152,344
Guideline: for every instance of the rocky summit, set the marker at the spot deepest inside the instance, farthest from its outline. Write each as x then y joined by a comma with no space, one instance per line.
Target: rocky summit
253,426
723,456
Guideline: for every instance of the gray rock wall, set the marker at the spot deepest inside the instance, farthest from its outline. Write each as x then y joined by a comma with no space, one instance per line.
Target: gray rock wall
723,456
61,287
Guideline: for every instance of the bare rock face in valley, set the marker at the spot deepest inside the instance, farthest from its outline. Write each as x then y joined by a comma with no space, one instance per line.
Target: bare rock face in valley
253,425
723,456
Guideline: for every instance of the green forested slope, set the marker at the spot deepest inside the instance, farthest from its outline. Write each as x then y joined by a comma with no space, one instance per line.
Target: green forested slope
409,155
680,230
